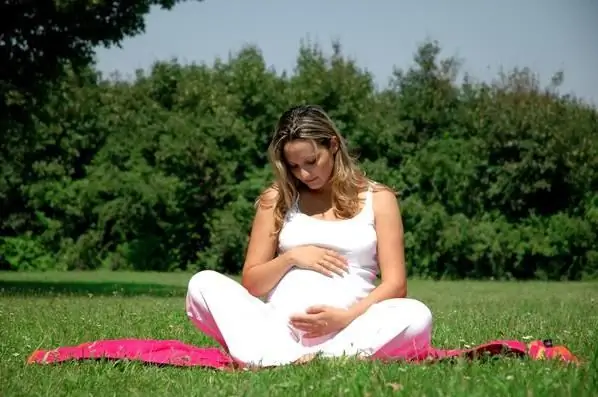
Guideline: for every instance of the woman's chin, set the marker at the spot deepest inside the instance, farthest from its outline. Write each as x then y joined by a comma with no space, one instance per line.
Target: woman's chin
315,185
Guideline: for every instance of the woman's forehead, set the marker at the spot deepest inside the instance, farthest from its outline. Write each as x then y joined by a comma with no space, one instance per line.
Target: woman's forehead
298,150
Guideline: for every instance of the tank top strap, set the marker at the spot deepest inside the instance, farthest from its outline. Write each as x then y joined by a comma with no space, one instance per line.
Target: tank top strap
369,202
292,211
295,204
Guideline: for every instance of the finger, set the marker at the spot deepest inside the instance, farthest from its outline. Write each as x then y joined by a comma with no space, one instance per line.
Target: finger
330,265
338,262
305,327
336,255
306,320
305,317
316,309
322,268
309,325
333,267
311,335
316,332
302,317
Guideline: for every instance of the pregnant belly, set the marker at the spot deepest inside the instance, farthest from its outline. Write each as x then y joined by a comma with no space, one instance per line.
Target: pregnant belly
300,289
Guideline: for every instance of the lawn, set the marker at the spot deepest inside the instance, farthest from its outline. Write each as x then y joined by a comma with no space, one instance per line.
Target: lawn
52,309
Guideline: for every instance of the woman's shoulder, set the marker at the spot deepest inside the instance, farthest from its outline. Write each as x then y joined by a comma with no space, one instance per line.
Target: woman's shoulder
384,198
378,188
268,197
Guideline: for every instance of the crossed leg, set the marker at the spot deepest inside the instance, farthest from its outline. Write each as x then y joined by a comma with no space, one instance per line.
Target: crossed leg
387,329
244,325
255,335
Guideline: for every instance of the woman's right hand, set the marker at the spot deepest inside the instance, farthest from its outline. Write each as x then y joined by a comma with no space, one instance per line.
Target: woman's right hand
323,260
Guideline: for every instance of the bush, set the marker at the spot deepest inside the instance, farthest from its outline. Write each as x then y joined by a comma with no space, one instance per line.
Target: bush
496,180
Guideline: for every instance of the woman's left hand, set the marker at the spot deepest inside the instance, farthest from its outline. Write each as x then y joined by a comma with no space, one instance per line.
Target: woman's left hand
321,320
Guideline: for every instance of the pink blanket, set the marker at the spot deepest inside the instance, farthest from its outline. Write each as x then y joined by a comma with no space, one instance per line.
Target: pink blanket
172,352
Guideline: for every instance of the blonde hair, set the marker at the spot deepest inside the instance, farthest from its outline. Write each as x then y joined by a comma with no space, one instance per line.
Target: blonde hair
311,123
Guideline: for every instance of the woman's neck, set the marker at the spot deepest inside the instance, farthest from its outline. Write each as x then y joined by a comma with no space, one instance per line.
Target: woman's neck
323,192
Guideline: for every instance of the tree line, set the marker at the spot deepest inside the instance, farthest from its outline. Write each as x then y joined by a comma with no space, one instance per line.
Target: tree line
160,172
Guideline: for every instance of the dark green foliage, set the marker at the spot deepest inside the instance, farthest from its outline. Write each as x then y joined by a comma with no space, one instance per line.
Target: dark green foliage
39,37
497,180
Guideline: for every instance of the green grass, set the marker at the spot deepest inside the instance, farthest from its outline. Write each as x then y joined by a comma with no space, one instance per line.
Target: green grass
52,309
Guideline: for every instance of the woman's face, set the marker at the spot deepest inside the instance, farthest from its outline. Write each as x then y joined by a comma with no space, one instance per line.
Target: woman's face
310,163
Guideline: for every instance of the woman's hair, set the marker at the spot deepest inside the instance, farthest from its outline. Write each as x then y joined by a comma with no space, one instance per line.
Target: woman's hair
311,123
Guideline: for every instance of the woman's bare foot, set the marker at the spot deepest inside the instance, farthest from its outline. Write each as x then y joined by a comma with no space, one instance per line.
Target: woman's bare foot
305,358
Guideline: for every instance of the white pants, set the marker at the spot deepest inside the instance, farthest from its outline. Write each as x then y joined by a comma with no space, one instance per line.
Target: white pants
254,334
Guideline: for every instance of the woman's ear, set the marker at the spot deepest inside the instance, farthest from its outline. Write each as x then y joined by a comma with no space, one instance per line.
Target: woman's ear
334,145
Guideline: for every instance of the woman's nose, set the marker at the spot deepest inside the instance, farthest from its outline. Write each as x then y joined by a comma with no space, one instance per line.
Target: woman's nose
306,175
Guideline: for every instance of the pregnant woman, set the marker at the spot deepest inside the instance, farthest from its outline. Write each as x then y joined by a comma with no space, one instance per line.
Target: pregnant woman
321,235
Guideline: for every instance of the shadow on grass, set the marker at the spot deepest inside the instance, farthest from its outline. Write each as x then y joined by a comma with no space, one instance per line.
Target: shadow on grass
54,288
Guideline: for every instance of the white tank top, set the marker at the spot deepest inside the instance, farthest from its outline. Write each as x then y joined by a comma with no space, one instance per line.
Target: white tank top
354,238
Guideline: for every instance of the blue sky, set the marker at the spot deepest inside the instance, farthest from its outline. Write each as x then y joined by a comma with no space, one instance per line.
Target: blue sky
546,36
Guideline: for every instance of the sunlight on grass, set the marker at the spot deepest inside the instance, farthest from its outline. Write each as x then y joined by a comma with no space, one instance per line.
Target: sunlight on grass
45,310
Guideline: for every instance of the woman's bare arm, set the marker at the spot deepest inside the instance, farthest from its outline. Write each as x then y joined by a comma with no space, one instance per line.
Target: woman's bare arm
262,269
391,252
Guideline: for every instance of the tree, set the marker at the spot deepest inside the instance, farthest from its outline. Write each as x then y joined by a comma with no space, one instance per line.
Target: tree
42,44
38,38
